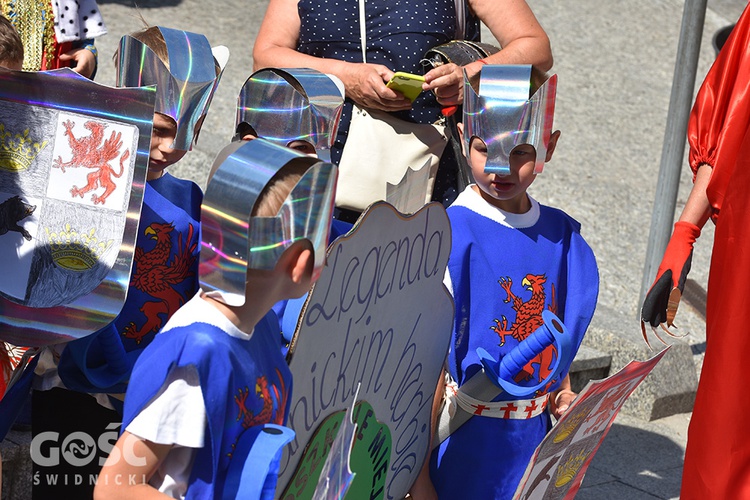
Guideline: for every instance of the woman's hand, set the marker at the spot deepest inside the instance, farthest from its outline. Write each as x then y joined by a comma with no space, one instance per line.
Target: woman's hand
520,35
275,46
84,59
447,81
365,84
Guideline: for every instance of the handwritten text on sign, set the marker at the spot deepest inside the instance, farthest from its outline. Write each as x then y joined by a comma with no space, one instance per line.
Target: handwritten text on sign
379,315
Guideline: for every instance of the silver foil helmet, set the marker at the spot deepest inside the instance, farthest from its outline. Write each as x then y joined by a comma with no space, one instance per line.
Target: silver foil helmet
284,105
185,87
503,114
234,241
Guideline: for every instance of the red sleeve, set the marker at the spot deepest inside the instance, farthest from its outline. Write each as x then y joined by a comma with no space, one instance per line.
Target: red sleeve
721,114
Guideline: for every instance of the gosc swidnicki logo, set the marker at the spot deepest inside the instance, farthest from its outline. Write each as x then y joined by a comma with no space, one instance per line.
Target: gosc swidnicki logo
80,448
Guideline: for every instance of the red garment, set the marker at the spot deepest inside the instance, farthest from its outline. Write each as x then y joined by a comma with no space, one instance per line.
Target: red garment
60,49
717,460
5,370
10,357
721,113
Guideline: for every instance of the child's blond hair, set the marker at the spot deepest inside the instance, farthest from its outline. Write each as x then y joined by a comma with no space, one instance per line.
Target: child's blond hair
278,188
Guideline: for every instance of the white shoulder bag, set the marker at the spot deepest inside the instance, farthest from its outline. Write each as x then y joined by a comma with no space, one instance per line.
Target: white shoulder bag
380,148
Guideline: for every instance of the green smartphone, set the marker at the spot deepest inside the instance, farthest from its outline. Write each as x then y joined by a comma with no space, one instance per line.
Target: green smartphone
406,83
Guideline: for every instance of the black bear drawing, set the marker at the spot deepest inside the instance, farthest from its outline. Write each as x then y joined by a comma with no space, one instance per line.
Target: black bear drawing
12,211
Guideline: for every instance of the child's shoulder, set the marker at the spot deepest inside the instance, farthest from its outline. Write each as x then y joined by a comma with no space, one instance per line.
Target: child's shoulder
470,214
558,216
169,182
181,192
198,335
471,209
194,323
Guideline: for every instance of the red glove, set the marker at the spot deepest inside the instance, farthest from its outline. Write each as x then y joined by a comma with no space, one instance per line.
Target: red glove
671,275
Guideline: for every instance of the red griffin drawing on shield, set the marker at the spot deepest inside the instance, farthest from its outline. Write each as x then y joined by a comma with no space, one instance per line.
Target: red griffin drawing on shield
528,319
156,276
90,152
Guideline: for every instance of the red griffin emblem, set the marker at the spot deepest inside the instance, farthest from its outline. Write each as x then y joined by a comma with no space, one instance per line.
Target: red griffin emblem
249,418
528,319
265,415
156,276
91,152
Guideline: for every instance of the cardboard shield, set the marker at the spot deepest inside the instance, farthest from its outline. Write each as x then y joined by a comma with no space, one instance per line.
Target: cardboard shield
559,463
378,316
73,161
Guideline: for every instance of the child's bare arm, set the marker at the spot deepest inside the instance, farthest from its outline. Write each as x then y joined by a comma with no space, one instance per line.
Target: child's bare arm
128,468
562,398
422,489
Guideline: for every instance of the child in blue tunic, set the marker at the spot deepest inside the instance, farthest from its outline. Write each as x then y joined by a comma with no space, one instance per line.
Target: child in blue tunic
165,266
215,373
511,259
300,109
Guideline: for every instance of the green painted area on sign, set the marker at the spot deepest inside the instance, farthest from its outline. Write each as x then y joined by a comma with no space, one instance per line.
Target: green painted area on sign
369,459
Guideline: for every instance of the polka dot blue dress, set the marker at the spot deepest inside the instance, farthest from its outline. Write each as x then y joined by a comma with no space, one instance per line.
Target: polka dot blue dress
399,32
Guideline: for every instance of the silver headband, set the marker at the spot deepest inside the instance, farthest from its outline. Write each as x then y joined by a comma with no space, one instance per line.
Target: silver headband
185,88
233,241
284,105
503,115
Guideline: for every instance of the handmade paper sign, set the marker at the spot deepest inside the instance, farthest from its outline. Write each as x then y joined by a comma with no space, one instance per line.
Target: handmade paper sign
378,315
73,161
560,461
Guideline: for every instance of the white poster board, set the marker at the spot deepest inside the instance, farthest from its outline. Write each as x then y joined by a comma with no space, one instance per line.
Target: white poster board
378,315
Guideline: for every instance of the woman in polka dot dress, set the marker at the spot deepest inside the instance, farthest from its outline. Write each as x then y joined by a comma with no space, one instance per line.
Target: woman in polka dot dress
325,35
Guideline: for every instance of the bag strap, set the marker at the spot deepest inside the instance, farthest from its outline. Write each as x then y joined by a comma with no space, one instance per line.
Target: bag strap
460,19
363,30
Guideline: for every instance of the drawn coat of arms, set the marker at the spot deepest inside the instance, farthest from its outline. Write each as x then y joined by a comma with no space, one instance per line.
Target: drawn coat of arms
73,160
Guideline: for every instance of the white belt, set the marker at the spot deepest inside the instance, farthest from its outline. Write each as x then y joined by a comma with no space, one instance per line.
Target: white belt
521,409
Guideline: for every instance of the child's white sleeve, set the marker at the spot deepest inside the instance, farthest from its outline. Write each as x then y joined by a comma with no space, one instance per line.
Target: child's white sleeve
448,282
177,414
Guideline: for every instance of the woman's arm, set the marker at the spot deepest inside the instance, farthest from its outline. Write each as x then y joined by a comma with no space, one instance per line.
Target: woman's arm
130,465
663,298
513,24
522,38
697,208
276,46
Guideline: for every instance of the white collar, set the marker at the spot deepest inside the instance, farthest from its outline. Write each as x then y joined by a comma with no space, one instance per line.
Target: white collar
202,312
473,201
